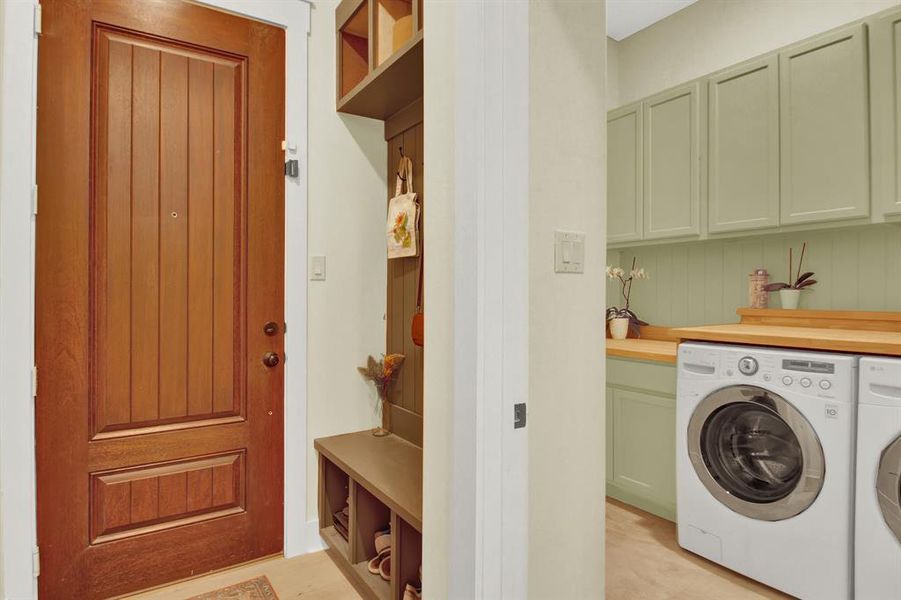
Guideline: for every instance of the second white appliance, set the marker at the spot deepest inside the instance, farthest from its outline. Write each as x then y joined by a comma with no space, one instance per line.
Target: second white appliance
878,522
765,464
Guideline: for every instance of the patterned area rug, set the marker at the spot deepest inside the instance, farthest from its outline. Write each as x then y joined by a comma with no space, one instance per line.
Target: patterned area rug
258,588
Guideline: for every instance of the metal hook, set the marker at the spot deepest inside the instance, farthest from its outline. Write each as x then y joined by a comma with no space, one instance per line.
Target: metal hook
400,149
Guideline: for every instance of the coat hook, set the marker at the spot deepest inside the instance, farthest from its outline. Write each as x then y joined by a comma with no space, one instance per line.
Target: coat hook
402,157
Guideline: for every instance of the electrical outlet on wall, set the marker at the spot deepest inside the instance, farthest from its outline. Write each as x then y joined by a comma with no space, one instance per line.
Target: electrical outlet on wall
569,252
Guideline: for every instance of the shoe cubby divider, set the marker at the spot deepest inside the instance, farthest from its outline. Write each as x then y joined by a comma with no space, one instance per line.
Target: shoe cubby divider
408,544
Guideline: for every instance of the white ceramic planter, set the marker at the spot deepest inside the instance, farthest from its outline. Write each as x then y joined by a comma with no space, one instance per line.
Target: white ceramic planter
619,328
790,298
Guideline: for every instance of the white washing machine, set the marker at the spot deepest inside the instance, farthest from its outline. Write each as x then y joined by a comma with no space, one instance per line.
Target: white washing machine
765,464
878,509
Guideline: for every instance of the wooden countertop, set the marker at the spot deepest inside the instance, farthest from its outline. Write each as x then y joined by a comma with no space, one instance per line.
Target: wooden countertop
388,467
809,338
643,349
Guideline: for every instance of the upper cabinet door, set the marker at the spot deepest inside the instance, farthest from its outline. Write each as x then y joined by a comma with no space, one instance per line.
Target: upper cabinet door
624,174
885,103
825,128
743,147
671,163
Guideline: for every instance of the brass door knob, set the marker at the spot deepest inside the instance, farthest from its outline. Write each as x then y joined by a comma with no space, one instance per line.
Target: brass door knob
271,359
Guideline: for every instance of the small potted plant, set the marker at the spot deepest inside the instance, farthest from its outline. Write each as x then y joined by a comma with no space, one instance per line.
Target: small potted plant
790,293
623,319
381,373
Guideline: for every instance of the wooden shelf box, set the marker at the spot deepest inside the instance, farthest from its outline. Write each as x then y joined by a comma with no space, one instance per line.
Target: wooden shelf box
353,50
394,27
379,56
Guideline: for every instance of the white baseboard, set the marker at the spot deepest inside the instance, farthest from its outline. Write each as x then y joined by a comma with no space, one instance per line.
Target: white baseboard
310,541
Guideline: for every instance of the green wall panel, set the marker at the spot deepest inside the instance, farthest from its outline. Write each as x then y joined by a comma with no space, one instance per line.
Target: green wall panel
705,282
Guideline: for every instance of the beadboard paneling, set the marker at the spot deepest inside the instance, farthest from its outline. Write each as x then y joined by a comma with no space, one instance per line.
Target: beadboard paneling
705,282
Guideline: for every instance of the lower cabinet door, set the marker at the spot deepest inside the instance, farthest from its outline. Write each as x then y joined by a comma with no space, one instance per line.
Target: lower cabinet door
641,434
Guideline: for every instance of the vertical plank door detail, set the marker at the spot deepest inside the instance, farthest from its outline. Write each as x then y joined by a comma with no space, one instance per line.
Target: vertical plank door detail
167,275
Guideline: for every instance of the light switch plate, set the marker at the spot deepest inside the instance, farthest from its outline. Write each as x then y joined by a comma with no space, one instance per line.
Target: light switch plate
317,268
569,252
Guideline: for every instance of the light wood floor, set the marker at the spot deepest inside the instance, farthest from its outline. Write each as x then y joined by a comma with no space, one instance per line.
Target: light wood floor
310,577
644,562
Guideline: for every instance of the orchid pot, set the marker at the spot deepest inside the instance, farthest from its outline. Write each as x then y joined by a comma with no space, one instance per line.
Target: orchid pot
790,298
790,291
619,328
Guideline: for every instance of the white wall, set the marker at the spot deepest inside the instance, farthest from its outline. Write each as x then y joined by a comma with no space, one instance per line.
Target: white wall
347,203
567,148
713,34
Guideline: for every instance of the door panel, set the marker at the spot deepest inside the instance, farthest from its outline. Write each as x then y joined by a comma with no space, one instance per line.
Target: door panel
743,148
160,253
885,104
671,164
825,129
624,175
164,295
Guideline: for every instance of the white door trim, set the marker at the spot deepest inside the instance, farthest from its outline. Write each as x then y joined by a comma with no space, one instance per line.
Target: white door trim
18,80
488,552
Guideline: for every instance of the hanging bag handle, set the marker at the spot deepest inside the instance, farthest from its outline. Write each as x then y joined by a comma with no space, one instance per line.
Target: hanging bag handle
404,175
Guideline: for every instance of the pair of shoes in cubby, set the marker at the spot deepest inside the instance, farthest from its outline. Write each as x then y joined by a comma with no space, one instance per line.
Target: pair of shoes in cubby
381,563
413,591
342,520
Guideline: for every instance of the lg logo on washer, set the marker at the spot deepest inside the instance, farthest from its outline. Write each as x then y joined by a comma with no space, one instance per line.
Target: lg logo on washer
832,411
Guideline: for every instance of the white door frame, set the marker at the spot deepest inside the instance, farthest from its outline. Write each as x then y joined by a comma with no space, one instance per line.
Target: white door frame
488,479
18,83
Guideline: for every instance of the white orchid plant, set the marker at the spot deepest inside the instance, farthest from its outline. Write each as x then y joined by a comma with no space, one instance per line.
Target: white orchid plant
625,312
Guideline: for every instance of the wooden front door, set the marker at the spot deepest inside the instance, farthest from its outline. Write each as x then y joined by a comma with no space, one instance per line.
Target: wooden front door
160,261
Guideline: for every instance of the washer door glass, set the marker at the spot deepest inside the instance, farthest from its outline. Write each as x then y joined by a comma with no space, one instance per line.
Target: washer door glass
888,486
756,453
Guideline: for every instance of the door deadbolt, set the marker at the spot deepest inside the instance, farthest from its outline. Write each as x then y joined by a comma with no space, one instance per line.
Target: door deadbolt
271,359
270,328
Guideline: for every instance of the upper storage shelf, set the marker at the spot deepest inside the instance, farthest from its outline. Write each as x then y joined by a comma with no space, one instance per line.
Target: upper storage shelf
379,56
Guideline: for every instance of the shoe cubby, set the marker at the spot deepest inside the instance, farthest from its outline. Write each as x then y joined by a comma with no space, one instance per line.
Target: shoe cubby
408,542
394,27
383,476
334,492
354,50
370,516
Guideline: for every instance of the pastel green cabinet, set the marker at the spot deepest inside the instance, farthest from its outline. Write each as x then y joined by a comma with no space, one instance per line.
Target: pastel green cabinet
885,103
824,114
671,193
641,430
624,175
743,147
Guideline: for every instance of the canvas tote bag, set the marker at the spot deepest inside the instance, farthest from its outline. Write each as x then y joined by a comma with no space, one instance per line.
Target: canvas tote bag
403,215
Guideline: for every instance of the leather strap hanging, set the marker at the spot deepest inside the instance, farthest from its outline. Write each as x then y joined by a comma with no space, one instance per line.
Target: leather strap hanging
417,328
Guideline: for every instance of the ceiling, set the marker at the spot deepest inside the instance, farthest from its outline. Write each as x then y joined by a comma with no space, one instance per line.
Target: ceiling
625,17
